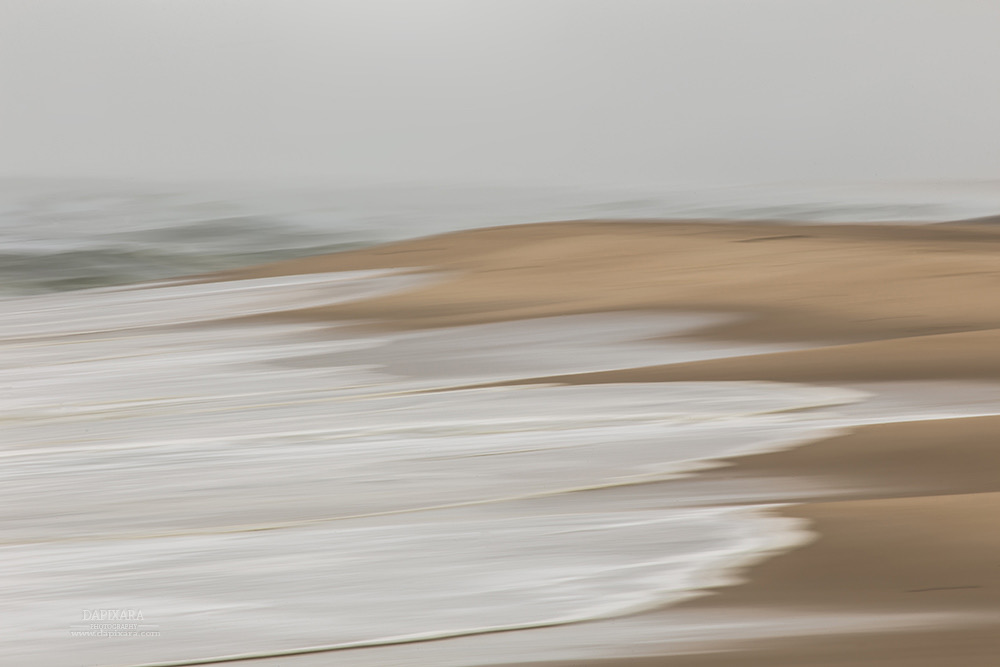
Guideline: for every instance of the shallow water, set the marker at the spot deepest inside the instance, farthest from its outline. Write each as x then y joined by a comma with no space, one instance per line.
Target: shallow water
269,487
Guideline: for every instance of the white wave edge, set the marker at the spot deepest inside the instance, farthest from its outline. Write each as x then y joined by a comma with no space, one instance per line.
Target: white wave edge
693,583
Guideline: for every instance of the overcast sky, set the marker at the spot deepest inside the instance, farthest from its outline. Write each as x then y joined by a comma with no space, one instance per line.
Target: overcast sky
519,91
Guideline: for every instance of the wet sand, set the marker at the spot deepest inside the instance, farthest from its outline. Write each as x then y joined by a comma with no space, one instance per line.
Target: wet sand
919,554
914,525
931,546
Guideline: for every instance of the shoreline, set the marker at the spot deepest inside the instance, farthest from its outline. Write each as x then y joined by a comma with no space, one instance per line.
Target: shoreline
910,529
913,555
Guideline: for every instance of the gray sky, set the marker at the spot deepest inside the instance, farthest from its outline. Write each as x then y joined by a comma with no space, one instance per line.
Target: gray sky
525,91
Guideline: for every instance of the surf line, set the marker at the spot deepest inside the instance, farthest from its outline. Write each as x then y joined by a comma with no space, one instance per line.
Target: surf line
725,562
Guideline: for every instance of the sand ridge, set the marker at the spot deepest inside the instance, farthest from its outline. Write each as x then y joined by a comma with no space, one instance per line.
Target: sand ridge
830,283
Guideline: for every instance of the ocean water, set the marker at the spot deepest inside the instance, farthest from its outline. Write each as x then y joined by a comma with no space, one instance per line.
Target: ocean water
58,235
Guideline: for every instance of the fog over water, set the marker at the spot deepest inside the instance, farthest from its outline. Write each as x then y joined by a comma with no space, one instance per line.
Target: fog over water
577,92
125,123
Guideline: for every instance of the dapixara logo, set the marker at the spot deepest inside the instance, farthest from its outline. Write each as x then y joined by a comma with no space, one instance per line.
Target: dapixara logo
112,615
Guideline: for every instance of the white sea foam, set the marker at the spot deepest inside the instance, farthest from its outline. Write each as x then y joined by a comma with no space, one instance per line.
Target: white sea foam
353,584
273,487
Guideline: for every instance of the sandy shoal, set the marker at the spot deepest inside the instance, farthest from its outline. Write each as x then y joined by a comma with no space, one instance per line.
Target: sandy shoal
831,283
914,526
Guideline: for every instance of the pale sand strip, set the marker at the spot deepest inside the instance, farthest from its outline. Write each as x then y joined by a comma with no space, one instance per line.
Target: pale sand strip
972,355
917,530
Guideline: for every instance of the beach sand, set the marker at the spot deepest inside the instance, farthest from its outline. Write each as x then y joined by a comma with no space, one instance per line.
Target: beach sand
913,525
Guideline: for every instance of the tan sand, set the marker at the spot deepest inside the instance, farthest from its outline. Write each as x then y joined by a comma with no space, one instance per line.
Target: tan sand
922,458
915,527
831,283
